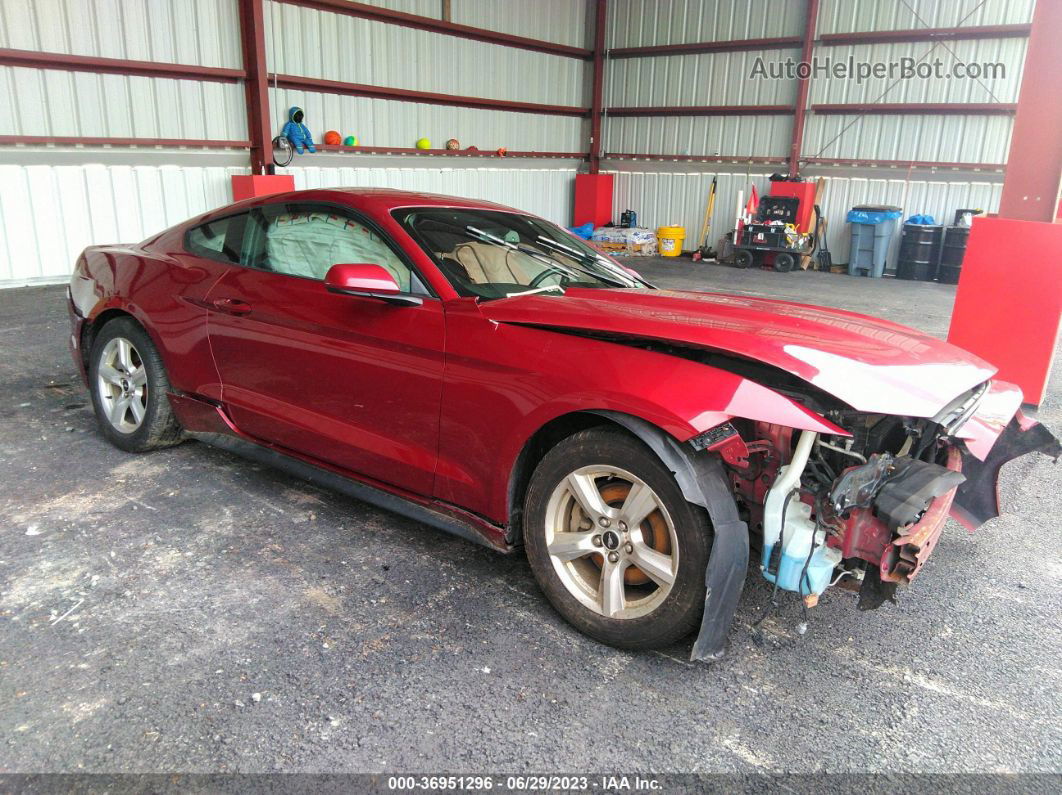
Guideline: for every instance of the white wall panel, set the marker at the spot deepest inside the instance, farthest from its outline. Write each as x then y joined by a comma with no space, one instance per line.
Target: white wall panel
543,191
844,16
381,122
561,21
49,214
311,43
737,136
202,32
56,103
721,78
641,23
1002,87
948,139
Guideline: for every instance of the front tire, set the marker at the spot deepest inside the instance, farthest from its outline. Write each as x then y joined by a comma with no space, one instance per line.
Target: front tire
613,544
129,385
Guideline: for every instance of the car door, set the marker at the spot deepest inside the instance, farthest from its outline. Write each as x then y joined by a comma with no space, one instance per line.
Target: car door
349,380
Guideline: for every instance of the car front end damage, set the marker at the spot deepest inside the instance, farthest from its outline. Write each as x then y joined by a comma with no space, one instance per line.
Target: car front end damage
864,510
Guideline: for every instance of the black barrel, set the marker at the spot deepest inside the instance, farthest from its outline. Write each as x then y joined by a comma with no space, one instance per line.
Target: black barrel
919,252
954,249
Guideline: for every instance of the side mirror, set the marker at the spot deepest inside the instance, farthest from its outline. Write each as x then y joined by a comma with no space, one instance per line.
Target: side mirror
368,281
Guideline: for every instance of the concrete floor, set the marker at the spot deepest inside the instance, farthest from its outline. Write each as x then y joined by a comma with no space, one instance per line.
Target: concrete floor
190,611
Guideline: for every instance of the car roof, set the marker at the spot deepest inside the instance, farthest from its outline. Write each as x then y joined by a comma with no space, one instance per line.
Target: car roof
381,200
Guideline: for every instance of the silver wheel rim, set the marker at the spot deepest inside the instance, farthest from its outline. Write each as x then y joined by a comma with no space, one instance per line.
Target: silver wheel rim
121,382
619,558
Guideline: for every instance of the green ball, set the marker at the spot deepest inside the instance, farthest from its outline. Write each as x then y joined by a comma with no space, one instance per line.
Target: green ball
350,140
423,143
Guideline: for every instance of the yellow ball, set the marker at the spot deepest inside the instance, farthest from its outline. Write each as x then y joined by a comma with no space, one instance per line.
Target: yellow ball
423,143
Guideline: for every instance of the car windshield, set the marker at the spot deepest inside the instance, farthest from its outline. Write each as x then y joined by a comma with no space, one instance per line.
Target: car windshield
494,254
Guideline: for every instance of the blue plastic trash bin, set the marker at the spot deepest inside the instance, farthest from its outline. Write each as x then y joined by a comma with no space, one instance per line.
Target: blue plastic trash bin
872,229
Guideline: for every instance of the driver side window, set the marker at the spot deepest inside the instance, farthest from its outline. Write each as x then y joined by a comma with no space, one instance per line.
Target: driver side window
306,240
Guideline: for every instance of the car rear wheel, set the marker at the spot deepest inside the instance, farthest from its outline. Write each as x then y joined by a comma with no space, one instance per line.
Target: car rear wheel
129,386
613,544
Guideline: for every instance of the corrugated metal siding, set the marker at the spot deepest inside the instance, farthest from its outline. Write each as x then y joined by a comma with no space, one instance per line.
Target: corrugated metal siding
663,198
949,139
843,16
49,214
721,78
562,21
641,23
311,43
543,191
738,136
381,122
48,102
203,32
1008,52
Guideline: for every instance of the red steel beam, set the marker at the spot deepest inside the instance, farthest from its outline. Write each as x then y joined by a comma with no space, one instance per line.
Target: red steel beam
401,150
702,110
252,43
1034,163
375,13
731,45
74,140
382,92
598,90
920,108
837,161
804,83
693,158
926,34
118,66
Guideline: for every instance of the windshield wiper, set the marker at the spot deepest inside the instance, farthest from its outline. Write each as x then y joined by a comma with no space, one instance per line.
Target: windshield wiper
487,237
545,289
594,264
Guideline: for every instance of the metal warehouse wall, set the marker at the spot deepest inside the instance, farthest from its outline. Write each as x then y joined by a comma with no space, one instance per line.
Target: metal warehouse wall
57,199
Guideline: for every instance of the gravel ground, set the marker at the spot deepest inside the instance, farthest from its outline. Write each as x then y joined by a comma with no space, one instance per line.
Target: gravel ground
190,611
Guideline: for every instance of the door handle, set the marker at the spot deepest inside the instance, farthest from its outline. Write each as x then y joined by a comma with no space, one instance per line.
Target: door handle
231,306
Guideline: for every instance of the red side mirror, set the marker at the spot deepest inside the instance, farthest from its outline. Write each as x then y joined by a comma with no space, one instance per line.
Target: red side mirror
368,281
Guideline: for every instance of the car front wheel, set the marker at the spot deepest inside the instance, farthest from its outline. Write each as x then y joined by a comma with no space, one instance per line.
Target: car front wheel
613,544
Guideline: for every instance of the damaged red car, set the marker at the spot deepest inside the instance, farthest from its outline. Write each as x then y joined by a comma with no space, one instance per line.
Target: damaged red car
483,371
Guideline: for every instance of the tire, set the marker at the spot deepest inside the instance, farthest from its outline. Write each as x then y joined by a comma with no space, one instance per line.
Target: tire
783,262
125,367
642,610
743,258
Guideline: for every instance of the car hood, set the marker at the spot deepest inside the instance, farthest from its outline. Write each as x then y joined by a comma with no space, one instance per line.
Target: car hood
870,364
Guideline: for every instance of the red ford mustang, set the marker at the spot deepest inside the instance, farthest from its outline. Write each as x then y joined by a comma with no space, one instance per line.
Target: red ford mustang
484,371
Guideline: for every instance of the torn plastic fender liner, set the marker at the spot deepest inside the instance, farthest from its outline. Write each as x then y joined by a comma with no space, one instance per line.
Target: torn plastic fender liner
703,482
977,499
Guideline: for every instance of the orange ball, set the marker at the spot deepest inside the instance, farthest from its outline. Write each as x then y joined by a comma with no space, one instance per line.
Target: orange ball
332,138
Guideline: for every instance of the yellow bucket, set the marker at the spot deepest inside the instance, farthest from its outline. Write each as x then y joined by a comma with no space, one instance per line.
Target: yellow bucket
670,239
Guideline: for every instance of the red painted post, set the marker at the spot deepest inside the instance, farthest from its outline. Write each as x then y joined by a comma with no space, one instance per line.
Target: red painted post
1034,165
259,129
597,93
802,88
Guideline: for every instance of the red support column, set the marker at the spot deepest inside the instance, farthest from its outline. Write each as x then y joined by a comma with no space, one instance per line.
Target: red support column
259,129
1034,166
802,88
597,93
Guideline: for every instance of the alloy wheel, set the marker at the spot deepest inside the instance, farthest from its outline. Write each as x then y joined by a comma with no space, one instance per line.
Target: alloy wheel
121,382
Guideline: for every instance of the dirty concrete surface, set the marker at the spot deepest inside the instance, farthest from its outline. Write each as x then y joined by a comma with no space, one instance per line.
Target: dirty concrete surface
190,611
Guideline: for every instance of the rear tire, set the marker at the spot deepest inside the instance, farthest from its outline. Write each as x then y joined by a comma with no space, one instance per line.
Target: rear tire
636,584
129,388
783,262
743,258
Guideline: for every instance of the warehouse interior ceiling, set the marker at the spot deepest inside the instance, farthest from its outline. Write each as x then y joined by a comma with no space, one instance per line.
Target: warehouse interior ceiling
129,117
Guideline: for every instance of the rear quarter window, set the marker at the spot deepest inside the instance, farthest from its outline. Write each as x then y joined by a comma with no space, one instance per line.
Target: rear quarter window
220,239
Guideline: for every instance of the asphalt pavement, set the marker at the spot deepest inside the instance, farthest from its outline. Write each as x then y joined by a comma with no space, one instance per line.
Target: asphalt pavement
190,611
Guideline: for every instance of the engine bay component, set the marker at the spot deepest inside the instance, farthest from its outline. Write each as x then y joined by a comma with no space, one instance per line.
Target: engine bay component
910,487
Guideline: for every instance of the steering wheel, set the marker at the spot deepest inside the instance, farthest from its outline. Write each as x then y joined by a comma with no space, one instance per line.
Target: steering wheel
549,271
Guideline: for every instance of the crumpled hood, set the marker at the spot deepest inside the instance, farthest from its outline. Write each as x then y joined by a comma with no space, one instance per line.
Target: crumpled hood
871,364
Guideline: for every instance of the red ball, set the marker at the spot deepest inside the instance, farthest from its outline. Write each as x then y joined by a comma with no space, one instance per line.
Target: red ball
332,138
453,144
